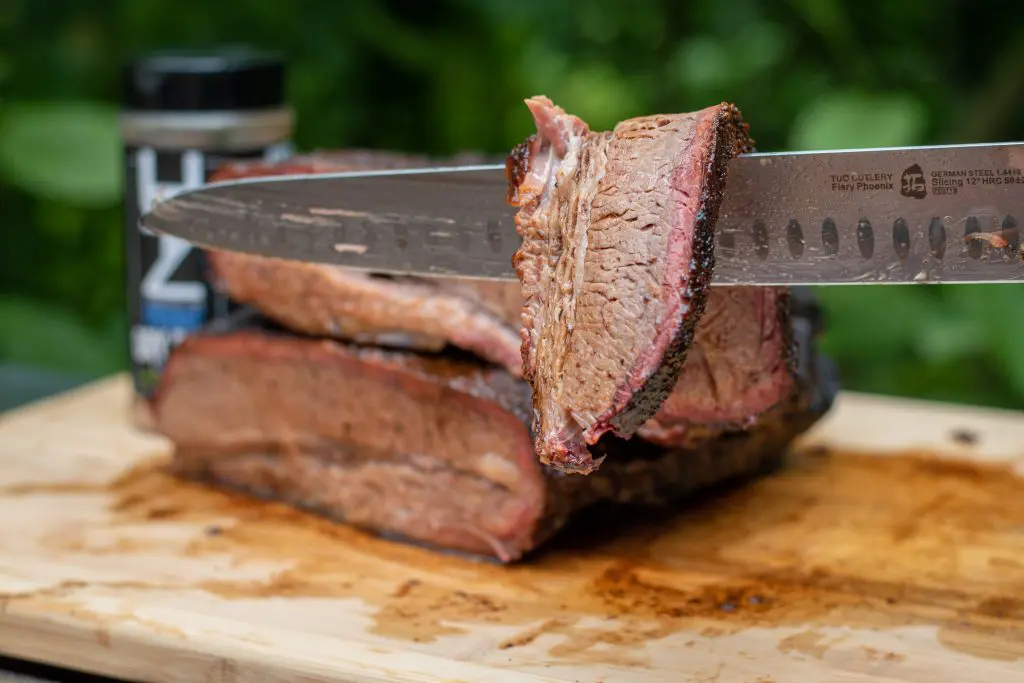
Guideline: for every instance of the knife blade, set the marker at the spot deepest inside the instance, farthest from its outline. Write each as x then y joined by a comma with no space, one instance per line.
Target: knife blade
936,214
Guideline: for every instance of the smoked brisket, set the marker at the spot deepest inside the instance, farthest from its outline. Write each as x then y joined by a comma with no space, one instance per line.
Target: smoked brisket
431,448
368,308
615,265
739,365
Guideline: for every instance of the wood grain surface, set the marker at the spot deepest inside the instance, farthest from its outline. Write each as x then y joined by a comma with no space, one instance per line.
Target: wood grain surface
889,548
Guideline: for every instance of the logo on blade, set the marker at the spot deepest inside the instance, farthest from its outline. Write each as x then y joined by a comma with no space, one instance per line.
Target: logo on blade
912,183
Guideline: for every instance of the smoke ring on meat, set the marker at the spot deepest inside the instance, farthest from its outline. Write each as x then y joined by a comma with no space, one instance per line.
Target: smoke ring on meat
616,261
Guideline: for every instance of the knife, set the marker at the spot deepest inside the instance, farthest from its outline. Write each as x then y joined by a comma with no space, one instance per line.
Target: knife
936,214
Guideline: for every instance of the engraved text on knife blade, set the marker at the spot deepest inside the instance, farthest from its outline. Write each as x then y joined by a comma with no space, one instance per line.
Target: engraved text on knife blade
940,214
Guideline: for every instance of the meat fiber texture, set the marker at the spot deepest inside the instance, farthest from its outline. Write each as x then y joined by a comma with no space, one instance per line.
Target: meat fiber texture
397,312
434,449
615,265
739,365
739,368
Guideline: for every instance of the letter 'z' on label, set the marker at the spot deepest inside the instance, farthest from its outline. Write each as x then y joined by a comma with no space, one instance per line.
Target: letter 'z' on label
169,293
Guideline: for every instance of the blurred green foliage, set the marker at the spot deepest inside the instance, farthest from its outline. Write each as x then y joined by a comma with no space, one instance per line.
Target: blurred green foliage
446,76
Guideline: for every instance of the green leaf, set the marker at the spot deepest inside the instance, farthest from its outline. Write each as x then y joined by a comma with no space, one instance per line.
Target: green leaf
948,339
600,94
876,322
543,69
36,333
856,119
63,222
704,62
67,151
760,46
997,313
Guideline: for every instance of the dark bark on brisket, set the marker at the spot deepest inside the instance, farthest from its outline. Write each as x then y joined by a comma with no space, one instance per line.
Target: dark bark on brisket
615,264
396,312
741,364
430,448
425,447
734,371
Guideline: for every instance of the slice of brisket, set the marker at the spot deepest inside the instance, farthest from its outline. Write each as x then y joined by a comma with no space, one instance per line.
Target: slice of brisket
615,264
431,448
740,365
366,308
398,312
337,160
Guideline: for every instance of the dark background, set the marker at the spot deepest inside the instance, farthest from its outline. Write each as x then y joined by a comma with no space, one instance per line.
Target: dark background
446,76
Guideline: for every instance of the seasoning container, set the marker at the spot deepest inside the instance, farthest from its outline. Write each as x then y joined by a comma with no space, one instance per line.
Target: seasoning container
184,114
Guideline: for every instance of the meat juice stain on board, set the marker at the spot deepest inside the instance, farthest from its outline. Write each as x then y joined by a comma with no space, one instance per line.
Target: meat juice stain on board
832,540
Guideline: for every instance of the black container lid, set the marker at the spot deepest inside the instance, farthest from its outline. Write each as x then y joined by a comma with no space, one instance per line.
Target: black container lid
226,79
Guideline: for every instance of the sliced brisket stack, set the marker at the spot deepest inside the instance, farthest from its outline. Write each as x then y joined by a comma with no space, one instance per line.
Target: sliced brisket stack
431,448
399,404
405,312
400,312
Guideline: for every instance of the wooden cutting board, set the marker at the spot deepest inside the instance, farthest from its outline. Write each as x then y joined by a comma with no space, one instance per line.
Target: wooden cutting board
891,548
